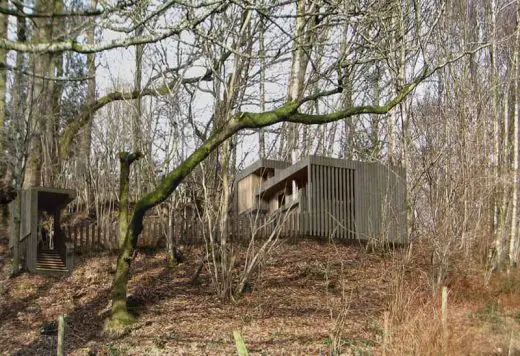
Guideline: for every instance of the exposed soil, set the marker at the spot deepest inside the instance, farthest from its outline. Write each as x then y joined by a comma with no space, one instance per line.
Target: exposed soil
307,296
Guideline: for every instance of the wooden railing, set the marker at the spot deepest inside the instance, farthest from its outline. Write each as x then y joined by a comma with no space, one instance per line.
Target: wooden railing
88,237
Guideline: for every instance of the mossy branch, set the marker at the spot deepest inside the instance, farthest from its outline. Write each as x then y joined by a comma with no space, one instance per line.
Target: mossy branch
73,127
246,120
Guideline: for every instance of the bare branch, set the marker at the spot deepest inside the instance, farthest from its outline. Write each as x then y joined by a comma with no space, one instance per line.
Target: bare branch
75,46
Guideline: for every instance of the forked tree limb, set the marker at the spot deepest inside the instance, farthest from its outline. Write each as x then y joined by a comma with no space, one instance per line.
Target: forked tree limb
125,159
72,45
245,120
73,127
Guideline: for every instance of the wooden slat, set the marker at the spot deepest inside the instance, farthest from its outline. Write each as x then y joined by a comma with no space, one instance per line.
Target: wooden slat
345,197
326,211
354,199
360,210
348,203
314,202
321,208
318,201
114,236
83,237
98,237
345,189
67,233
339,205
74,236
104,235
87,238
335,227
333,216
352,204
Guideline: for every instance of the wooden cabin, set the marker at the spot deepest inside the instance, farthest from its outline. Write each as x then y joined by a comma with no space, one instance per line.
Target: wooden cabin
43,245
331,197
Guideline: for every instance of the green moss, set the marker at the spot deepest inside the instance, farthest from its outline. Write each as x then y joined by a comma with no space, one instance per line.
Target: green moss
119,321
288,112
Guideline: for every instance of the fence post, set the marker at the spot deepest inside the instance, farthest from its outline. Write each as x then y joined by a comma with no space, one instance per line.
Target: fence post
444,319
61,334
88,238
83,237
98,240
386,331
74,235
104,238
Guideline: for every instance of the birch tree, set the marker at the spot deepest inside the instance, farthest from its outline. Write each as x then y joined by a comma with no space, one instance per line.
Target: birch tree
294,33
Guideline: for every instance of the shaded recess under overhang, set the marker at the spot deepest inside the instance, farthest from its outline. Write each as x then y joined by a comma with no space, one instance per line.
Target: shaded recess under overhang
297,172
262,167
52,199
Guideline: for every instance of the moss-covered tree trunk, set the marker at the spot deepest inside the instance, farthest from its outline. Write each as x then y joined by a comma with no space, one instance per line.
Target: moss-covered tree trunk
288,112
125,160
3,73
120,315
15,234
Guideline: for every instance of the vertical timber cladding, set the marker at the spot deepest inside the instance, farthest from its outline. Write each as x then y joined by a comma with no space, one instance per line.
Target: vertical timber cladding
332,198
380,202
31,200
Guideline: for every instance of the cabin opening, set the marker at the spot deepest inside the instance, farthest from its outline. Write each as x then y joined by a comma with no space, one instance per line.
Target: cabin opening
43,244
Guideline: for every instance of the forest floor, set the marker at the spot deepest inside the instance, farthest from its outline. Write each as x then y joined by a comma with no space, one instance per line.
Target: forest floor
308,298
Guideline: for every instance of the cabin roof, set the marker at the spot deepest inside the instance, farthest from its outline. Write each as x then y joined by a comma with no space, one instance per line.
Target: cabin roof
279,181
50,199
261,166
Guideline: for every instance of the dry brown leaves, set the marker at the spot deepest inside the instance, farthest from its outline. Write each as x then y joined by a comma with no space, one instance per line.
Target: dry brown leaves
296,304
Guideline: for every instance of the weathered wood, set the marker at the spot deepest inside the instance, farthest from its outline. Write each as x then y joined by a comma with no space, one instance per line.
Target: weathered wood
386,331
99,241
75,237
444,320
88,244
350,203
61,335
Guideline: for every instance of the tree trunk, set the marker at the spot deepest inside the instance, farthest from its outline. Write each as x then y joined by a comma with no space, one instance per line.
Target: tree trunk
139,142
86,134
497,215
170,182
261,134
18,121
16,211
170,243
42,117
125,159
513,239
3,72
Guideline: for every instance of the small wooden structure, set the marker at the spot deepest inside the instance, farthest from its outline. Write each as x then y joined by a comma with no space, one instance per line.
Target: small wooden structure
331,197
50,255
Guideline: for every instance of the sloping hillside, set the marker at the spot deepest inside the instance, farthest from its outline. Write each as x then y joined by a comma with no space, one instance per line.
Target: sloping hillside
307,298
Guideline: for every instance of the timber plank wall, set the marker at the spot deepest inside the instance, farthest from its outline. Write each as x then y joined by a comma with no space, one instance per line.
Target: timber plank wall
356,200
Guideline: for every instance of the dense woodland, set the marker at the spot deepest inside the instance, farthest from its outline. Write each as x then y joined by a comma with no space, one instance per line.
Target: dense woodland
181,95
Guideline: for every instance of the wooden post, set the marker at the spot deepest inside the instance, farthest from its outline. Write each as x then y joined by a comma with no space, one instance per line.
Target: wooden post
113,237
83,237
87,238
98,240
74,236
444,319
103,235
92,236
61,334
240,344
386,331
